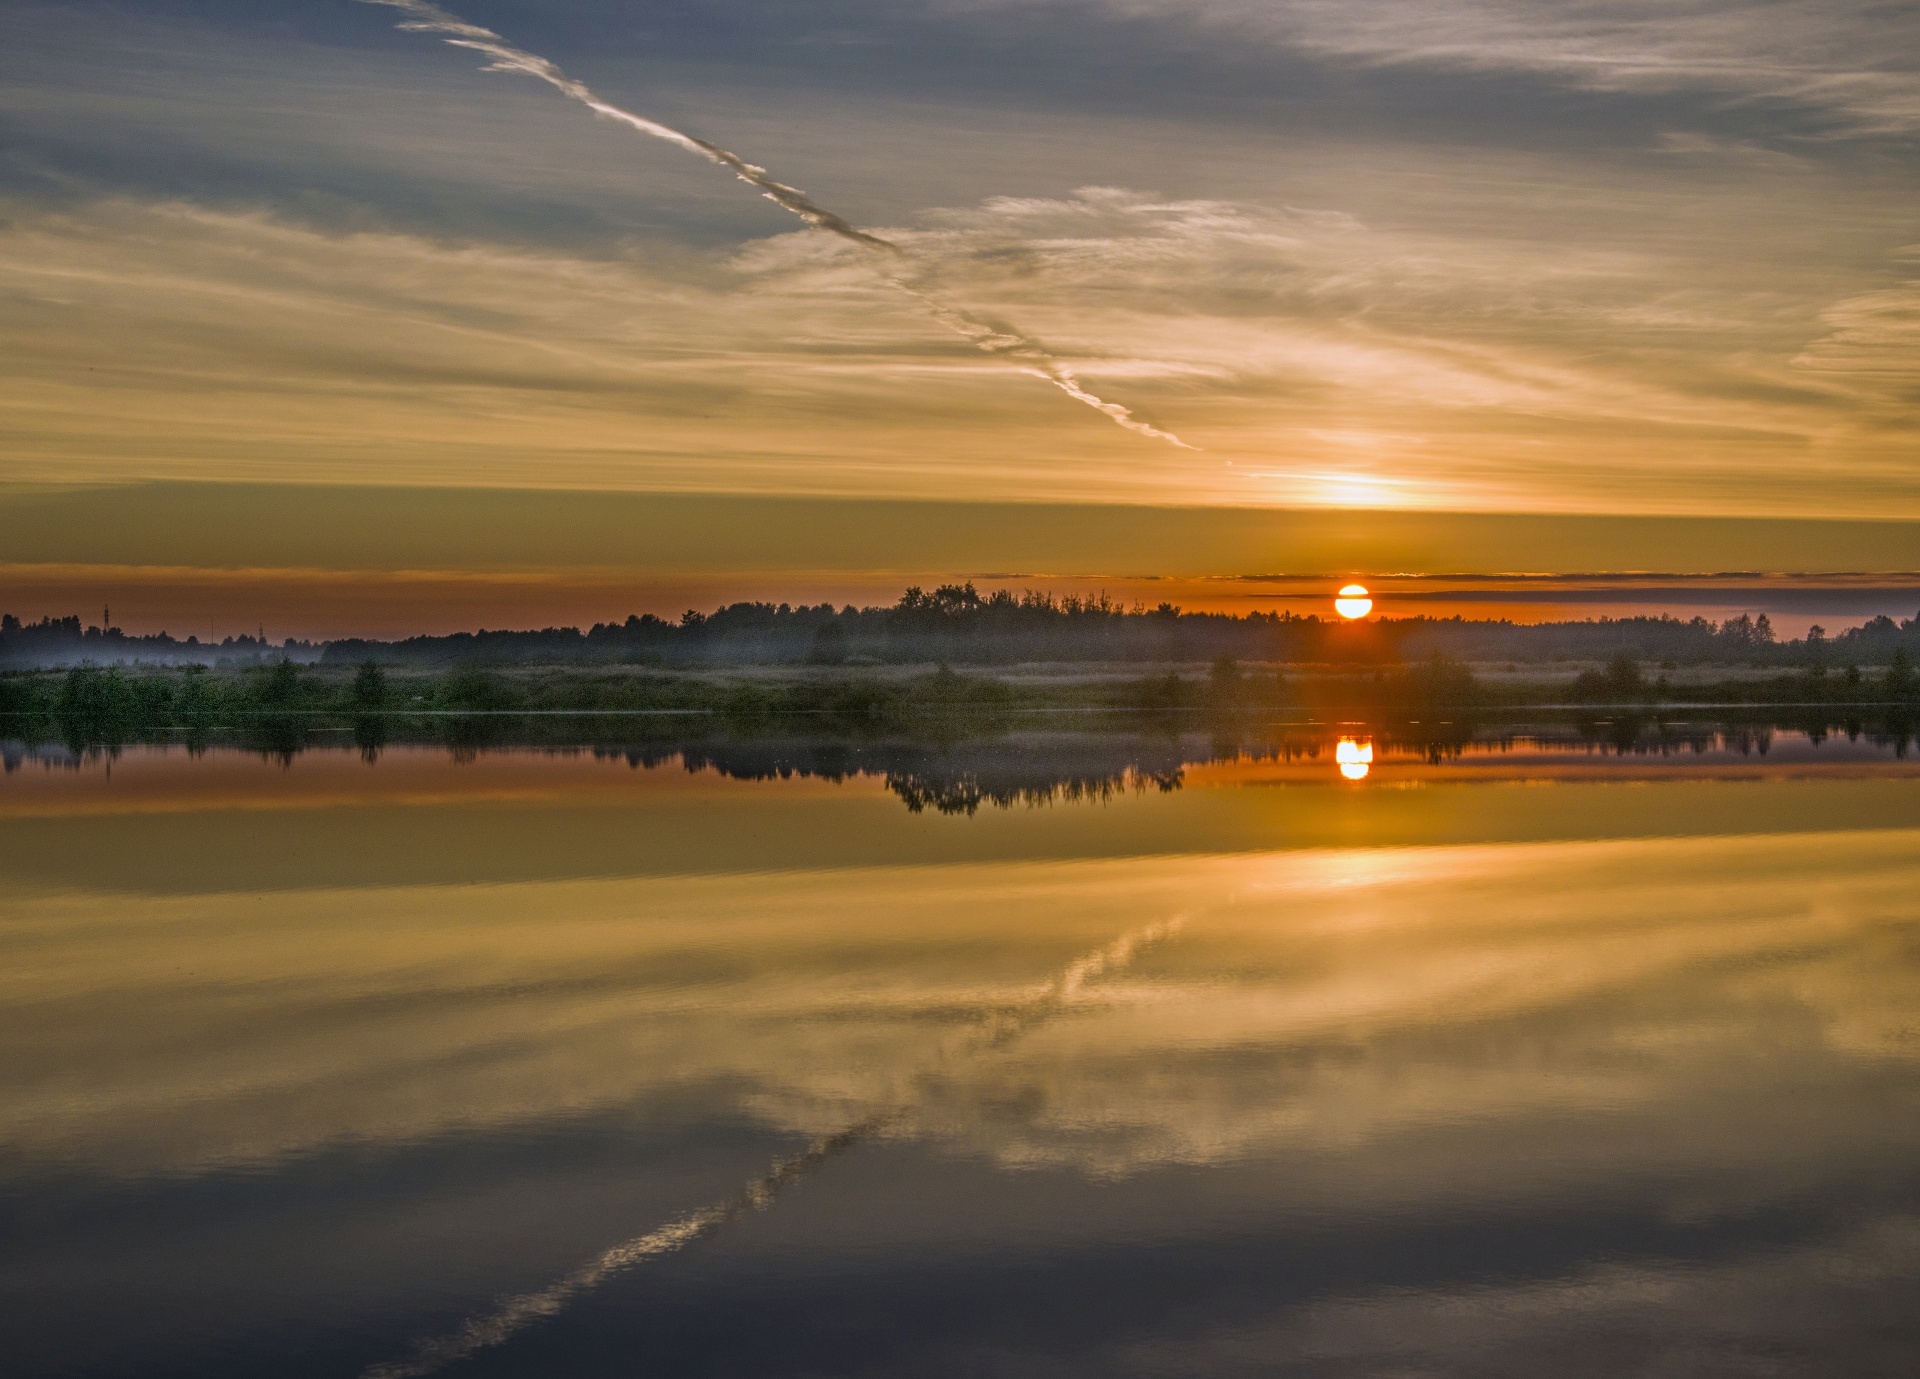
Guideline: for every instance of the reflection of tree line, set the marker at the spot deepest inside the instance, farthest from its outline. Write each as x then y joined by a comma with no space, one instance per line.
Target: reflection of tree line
957,778
958,773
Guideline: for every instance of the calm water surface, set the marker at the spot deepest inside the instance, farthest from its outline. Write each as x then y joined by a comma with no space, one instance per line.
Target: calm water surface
1065,1058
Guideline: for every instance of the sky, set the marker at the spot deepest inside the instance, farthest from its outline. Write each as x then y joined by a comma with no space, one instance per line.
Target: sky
1144,295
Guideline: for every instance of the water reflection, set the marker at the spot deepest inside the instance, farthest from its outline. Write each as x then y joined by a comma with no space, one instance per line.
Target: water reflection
963,772
1111,1055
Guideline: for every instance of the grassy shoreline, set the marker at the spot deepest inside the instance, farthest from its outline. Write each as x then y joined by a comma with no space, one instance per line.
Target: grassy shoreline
104,703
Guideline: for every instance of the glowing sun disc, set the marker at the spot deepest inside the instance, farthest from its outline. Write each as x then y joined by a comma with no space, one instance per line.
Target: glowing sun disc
1354,602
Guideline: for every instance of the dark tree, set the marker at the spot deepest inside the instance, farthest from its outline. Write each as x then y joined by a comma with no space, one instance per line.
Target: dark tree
1900,675
1624,680
369,688
829,645
279,689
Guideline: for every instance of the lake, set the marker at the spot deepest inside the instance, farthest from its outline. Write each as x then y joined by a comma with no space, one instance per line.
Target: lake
1585,1050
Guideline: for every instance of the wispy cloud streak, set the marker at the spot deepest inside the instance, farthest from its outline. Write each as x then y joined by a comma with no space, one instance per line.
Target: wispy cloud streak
998,1028
1855,60
1024,351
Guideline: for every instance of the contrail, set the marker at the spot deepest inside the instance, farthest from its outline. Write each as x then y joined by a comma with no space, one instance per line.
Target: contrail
1001,1027
1028,353
480,1333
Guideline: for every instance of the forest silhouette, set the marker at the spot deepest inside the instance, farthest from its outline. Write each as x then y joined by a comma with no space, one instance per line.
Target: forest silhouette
960,625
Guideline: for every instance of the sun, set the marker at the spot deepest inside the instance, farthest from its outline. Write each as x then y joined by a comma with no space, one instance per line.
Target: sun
1354,602
1355,759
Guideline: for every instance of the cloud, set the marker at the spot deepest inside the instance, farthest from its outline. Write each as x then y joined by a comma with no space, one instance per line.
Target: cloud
997,339
514,293
1314,352
1873,339
1801,1307
1352,1052
996,1027
1349,346
1857,61
1316,1003
1698,1032
175,338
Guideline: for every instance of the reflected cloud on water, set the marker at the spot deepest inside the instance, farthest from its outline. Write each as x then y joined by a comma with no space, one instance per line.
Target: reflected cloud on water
963,772
1136,1055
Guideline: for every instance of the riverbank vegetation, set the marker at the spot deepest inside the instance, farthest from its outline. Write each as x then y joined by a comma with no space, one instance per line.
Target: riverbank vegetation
95,703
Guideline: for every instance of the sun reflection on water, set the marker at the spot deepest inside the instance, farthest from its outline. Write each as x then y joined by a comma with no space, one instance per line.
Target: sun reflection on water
1355,758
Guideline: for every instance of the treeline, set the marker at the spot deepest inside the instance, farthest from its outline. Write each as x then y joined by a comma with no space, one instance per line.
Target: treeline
91,703
956,624
1744,640
65,642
